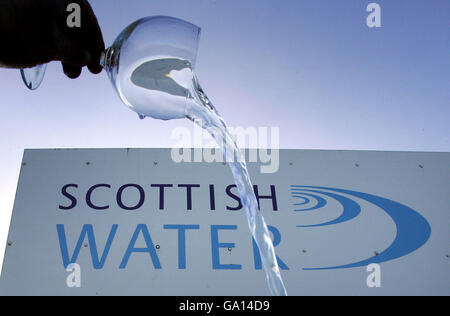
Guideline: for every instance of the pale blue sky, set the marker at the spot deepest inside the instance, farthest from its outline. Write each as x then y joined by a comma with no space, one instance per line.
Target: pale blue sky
312,68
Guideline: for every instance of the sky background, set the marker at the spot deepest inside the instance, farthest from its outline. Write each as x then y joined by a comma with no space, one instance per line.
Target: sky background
312,68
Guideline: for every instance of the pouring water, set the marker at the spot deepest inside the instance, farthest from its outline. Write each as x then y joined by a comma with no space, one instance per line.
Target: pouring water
151,66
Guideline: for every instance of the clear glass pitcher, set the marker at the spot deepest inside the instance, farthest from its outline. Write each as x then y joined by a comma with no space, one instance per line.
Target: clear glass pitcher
150,65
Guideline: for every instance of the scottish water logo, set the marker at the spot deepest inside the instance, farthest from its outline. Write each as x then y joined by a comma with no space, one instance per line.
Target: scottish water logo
413,230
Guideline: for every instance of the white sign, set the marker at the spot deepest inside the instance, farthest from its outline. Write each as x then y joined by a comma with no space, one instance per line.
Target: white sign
133,222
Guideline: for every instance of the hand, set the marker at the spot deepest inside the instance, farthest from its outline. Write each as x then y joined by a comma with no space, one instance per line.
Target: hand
36,31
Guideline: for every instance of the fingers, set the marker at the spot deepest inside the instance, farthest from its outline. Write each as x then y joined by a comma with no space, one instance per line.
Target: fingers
95,42
75,55
94,38
73,59
81,46
71,71
95,68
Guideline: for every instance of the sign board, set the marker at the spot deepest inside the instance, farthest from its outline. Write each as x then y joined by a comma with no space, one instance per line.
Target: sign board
137,223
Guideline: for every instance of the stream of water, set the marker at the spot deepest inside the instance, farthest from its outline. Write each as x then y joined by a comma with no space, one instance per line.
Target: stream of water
165,82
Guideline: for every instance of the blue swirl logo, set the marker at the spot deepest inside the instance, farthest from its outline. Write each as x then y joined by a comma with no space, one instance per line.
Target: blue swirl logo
413,230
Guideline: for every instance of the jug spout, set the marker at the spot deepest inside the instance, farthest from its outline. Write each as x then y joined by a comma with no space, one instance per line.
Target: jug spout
109,60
